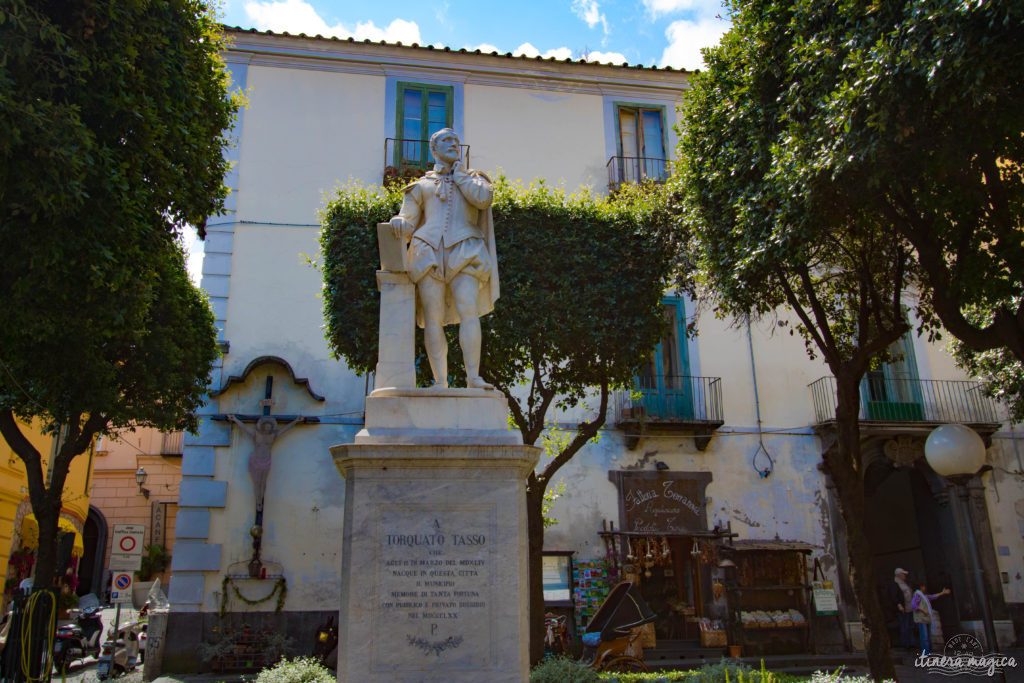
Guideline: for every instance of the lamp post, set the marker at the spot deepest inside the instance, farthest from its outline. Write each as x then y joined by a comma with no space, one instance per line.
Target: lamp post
140,479
957,453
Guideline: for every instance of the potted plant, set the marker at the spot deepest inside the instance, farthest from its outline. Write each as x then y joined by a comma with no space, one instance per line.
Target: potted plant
155,559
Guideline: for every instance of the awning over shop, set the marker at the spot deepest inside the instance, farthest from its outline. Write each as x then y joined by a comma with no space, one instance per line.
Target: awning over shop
30,534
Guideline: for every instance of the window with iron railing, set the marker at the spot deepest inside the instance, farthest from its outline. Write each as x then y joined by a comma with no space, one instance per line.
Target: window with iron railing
641,145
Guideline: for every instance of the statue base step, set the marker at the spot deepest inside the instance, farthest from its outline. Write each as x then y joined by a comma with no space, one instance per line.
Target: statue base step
437,417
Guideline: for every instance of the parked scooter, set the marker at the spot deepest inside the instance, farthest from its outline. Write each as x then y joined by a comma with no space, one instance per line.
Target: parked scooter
78,640
121,654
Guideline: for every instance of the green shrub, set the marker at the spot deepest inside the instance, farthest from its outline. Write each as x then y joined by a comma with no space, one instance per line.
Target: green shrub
298,670
562,670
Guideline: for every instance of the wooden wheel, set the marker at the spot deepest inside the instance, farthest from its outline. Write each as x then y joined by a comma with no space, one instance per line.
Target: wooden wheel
625,665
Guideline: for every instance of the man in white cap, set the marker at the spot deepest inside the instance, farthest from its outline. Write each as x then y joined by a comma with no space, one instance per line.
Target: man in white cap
900,595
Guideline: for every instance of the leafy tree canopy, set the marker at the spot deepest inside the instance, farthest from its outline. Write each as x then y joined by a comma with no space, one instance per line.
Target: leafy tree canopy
113,120
912,111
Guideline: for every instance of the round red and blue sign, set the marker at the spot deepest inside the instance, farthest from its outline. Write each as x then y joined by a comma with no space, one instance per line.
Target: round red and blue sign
122,582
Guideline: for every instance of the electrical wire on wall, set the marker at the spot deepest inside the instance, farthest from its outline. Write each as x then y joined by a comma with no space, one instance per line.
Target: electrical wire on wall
761,453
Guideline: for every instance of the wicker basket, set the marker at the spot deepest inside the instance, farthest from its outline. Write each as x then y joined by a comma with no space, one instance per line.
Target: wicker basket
713,639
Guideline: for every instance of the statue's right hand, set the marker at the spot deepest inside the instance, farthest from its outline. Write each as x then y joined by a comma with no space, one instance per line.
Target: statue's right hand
397,226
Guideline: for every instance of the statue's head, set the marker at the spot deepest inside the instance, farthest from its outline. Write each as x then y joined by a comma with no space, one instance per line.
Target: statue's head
265,424
444,145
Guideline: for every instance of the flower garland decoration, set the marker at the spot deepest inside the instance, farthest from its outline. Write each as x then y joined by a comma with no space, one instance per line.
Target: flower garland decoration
280,589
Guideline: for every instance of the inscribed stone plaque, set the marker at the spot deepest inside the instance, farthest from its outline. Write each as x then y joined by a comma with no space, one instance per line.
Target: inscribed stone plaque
435,587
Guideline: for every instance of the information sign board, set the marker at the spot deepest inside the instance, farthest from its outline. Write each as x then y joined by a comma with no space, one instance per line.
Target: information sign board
824,598
126,548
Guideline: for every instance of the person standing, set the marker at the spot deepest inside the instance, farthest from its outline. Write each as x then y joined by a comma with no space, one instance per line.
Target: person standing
900,596
921,606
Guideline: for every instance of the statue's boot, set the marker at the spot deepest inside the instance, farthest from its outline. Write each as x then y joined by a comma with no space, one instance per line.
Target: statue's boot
477,382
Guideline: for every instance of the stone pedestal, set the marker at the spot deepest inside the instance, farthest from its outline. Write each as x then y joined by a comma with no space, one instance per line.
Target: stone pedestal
397,330
434,574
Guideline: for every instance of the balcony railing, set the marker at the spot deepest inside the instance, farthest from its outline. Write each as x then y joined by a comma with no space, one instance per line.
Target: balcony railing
171,444
406,159
673,403
910,400
635,169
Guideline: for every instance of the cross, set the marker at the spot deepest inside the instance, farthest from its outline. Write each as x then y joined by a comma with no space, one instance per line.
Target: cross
265,404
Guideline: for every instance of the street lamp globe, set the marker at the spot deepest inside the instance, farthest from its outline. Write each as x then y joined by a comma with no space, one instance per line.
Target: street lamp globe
954,450
140,477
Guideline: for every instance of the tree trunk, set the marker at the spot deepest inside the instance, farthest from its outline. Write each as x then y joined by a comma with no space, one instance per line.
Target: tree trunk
535,572
46,554
843,463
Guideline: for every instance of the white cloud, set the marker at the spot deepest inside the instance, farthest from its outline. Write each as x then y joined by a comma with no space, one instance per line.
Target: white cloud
528,50
606,57
706,8
659,7
590,12
686,38
297,16
486,48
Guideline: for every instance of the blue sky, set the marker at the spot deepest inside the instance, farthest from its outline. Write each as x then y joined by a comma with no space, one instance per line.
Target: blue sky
648,32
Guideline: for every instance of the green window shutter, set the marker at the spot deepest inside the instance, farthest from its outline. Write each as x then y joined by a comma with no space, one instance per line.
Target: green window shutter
423,109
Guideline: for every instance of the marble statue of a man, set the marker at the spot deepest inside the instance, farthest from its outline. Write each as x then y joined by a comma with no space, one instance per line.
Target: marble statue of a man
446,219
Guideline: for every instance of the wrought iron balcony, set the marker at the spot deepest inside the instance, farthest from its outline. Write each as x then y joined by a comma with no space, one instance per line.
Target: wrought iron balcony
171,443
673,403
407,159
887,400
635,169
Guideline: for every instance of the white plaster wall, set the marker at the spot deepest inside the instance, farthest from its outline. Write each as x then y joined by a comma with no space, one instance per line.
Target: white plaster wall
304,132
275,309
1004,493
789,504
530,134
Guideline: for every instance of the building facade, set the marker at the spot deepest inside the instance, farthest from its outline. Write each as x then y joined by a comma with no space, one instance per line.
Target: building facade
19,533
707,471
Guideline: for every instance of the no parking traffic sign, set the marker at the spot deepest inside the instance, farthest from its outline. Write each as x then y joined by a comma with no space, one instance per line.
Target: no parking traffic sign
121,587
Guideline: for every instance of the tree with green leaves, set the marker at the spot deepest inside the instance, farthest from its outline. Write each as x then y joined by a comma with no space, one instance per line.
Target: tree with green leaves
113,121
764,242
914,113
939,112
580,310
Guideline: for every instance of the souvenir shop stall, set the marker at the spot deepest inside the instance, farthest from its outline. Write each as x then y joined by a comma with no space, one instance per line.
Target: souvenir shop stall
768,595
664,546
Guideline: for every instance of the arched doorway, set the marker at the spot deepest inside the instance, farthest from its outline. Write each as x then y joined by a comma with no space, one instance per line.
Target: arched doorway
90,569
911,526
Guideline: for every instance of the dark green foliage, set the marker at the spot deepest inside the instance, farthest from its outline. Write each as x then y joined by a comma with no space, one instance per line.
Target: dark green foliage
348,251
154,560
112,128
562,670
1001,371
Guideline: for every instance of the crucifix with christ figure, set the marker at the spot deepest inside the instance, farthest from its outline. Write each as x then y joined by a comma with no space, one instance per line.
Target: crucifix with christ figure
263,435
